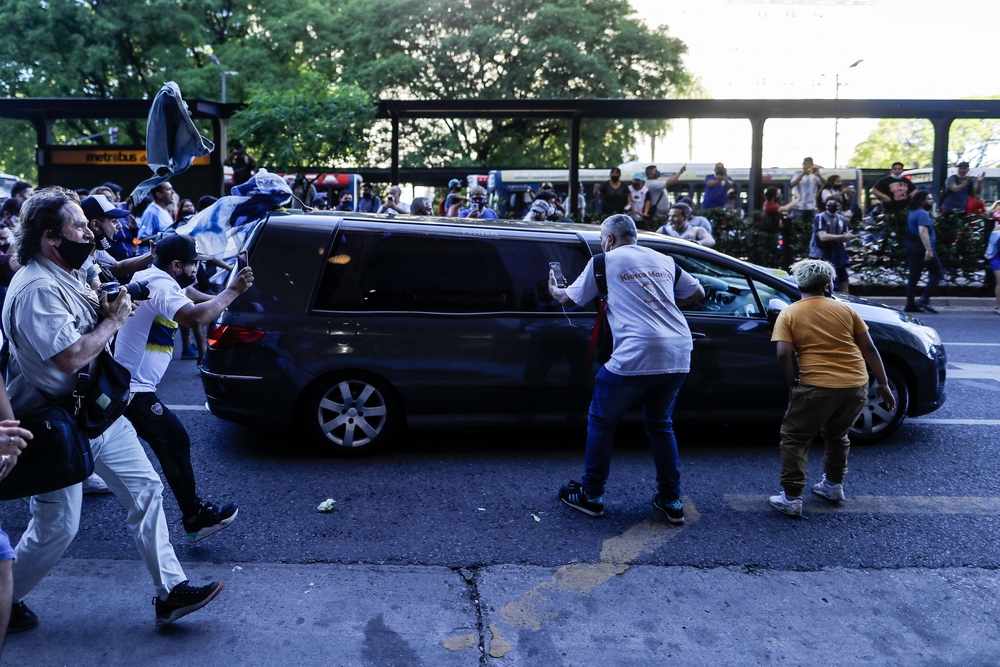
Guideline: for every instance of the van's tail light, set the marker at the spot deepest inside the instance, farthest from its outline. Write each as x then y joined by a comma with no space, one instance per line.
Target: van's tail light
222,336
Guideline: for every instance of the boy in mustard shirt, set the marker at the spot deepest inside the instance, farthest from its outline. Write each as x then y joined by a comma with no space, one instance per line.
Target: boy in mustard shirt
831,345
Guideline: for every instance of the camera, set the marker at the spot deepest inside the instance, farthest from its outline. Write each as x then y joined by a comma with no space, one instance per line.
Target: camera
139,291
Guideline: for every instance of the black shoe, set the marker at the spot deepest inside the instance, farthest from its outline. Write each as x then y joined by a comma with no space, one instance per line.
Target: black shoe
21,618
209,519
183,600
572,494
672,509
926,307
912,308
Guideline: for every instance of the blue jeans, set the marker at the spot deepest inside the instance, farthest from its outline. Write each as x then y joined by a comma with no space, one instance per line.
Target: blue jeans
613,395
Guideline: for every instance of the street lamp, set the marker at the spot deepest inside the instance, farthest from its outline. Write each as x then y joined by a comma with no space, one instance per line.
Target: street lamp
836,121
225,72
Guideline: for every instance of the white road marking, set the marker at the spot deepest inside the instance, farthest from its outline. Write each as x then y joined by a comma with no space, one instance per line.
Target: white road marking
973,344
963,371
189,408
983,506
923,421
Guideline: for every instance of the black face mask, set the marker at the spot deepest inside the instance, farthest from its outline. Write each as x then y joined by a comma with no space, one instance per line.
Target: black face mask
831,208
4,247
615,179
184,280
73,253
928,206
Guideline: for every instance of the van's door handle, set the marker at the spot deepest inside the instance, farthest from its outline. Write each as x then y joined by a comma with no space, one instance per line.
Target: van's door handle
697,334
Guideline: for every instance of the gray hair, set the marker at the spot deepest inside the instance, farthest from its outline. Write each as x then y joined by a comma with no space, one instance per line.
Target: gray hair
41,215
811,274
622,226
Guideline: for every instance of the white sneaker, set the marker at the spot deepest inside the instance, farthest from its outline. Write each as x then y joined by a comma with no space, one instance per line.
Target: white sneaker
786,505
94,485
997,310
829,491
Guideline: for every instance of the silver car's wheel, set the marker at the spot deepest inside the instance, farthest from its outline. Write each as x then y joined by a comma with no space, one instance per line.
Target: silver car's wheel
355,414
876,420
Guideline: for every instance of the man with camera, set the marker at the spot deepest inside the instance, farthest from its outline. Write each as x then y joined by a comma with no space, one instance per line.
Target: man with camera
716,187
477,205
959,187
393,205
145,346
57,326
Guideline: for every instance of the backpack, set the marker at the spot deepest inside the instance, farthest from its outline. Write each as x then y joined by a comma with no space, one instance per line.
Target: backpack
601,342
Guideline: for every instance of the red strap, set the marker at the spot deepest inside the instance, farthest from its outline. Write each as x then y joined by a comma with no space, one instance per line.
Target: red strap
599,323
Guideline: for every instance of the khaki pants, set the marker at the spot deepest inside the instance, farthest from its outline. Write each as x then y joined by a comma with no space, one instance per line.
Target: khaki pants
818,410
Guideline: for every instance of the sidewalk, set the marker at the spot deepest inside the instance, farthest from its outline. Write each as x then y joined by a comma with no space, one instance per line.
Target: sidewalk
98,612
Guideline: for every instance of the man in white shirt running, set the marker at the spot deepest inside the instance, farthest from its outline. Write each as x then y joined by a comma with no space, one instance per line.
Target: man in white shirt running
651,357
145,346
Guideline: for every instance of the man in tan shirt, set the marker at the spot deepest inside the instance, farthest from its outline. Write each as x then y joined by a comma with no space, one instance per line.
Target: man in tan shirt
831,344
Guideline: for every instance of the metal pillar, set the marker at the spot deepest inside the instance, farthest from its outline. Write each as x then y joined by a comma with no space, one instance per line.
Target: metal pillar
755,194
395,149
574,164
939,162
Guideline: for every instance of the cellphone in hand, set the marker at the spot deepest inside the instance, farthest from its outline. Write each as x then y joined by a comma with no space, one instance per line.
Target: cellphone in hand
556,269
241,260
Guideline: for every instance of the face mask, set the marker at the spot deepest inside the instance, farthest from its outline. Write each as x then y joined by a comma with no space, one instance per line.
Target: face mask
615,179
896,176
4,247
184,280
73,253
831,208
928,205
347,201
105,243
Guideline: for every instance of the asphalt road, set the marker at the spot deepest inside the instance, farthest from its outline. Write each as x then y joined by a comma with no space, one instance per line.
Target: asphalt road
929,496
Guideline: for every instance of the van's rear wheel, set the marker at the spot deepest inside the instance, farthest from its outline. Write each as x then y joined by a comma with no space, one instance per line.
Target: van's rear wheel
876,421
353,414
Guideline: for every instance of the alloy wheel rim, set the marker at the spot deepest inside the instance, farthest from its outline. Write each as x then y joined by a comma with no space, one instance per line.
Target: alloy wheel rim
352,413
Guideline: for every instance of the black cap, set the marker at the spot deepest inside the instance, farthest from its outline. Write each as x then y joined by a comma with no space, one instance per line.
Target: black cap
99,206
180,247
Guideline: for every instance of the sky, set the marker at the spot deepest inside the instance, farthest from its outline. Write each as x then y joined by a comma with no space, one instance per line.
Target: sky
910,49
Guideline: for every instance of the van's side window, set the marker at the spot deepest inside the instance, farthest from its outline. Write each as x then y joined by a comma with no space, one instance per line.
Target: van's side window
411,271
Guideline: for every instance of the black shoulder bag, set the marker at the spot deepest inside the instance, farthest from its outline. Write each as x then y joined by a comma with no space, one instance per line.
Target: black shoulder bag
601,341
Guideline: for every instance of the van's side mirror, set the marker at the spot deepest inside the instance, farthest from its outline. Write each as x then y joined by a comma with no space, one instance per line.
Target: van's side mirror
774,306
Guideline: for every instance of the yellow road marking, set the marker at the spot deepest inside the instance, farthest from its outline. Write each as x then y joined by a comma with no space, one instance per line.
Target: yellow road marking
983,506
536,607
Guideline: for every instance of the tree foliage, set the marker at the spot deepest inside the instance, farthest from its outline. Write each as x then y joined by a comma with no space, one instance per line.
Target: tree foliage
425,49
911,141
315,124
507,49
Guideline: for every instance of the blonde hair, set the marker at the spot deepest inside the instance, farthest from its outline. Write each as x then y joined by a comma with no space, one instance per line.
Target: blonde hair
811,274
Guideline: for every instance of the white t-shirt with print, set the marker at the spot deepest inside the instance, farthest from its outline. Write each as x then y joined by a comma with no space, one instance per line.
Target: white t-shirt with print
807,188
638,197
145,343
650,333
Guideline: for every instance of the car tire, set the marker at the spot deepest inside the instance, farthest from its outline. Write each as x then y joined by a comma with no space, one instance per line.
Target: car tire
875,423
352,414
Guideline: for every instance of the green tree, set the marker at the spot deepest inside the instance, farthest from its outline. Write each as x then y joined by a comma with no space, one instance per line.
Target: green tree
315,124
911,140
510,49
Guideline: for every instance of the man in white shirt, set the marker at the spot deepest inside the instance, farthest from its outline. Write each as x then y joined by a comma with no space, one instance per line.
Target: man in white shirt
680,226
145,347
393,205
156,218
651,357
806,185
639,194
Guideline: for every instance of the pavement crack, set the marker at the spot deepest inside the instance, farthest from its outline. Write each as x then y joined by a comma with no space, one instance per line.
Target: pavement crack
469,576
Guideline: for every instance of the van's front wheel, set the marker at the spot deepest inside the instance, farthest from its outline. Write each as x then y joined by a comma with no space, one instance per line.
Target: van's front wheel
353,414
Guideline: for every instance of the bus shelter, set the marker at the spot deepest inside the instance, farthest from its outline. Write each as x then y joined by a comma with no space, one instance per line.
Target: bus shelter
941,114
90,165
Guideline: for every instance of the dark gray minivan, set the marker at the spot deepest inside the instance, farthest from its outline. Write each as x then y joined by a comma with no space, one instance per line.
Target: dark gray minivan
358,325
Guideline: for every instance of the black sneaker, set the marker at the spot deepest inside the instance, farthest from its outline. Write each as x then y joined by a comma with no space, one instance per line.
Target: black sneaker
572,494
183,600
672,509
21,618
926,307
209,519
912,308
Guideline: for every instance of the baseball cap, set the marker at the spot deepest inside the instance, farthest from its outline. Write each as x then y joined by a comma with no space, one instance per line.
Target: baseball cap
99,206
962,164
539,206
180,247
638,176
453,182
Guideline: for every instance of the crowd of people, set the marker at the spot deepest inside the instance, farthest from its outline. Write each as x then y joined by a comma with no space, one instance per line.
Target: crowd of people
65,257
